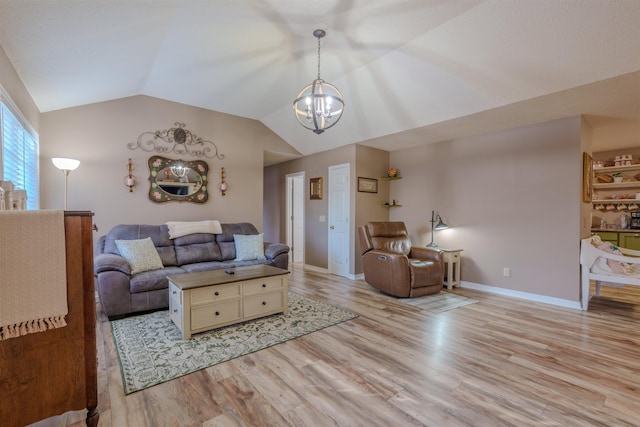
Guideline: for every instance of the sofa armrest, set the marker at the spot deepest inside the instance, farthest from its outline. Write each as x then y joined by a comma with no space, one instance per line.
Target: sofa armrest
111,262
272,250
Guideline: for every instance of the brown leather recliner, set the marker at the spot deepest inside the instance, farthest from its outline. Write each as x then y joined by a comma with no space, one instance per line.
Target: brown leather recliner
393,266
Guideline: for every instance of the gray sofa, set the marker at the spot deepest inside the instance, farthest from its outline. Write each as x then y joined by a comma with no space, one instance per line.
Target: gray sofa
122,293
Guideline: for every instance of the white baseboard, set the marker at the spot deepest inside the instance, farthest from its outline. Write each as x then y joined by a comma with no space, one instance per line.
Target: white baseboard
522,295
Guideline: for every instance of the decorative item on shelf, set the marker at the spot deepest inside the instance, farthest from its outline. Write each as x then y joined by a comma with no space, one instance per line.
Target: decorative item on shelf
130,180
66,166
617,177
392,173
319,105
223,186
441,225
176,140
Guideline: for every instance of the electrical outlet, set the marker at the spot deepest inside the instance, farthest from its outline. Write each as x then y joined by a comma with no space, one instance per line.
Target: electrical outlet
506,272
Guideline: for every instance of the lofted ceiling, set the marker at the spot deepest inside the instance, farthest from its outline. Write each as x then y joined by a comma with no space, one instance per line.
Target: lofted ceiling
411,71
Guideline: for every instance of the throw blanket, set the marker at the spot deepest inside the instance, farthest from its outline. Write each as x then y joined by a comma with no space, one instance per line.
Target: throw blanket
179,228
33,272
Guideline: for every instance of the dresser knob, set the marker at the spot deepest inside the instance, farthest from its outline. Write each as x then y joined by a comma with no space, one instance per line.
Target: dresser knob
217,313
264,285
175,310
264,303
216,293
174,292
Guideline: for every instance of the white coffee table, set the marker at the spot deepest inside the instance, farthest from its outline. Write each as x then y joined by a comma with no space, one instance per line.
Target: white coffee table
207,300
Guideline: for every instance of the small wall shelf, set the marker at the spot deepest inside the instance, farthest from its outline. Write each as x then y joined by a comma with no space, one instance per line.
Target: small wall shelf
391,206
390,178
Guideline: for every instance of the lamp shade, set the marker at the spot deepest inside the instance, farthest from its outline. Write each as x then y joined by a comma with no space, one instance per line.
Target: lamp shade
65,164
441,225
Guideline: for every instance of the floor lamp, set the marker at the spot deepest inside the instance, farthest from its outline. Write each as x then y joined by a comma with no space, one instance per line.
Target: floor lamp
440,226
66,166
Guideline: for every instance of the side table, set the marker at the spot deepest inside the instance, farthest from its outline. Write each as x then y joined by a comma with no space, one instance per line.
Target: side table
452,260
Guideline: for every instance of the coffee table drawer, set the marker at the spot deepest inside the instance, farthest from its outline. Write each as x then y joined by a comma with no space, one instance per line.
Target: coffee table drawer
214,293
266,284
211,315
260,304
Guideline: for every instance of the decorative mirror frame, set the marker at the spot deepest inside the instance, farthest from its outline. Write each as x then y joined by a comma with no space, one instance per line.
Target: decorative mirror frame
158,195
315,188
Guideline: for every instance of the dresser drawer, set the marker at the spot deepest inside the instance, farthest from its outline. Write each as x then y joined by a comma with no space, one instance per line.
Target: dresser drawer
267,284
211,315
260,304
214,293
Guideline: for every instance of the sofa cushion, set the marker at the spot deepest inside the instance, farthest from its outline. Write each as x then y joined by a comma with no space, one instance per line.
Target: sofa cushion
196,248
159,234
249,247
140,254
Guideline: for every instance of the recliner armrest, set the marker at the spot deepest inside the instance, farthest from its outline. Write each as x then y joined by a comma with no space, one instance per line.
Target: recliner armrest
272,250
426,254
111,262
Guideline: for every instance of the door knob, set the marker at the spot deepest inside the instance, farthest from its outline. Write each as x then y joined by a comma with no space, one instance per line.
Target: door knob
332,227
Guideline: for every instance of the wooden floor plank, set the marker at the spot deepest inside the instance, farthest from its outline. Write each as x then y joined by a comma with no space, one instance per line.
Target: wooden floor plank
499,362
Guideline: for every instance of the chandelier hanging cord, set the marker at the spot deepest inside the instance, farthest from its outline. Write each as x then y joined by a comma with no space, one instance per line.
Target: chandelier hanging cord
319,34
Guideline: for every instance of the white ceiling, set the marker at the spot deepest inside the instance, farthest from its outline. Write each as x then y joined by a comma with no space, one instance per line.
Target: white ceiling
420,70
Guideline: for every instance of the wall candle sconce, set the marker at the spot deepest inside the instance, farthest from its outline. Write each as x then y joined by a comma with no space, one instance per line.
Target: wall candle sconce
130,180
224,186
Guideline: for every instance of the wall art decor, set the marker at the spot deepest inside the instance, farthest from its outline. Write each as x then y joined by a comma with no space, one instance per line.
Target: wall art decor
587,175
177,180
315,188
367,185
177,140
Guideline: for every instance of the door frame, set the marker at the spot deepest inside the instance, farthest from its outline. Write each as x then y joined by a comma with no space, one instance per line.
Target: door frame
290,208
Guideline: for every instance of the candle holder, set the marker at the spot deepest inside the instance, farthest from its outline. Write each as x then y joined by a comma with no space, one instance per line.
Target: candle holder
129,179
223,186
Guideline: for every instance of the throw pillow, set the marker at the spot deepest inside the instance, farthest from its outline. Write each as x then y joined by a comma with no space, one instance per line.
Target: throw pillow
249,246
140,254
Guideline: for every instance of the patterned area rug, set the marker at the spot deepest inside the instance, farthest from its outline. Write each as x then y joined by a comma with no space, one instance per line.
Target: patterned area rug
151,350
437,303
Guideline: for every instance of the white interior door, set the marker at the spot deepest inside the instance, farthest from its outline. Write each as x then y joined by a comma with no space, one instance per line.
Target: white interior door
339,236
295,216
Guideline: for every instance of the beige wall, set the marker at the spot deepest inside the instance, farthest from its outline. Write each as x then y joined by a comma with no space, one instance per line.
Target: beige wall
512,199
371,163
98,134
316,232
12,84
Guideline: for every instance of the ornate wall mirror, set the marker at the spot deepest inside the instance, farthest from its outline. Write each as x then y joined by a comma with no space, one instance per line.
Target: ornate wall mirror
315,188
178,180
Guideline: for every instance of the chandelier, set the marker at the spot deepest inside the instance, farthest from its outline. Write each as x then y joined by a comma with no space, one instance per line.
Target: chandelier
318,106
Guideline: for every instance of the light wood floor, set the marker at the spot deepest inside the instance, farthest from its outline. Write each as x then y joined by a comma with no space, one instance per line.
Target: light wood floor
499,362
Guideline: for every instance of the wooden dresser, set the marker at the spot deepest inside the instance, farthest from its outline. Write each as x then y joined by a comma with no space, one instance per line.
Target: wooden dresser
53,372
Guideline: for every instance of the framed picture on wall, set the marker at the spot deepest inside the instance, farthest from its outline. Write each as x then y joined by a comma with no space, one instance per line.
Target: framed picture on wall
367,185
587,174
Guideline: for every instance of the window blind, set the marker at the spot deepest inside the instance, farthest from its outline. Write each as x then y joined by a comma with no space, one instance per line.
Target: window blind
19,156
